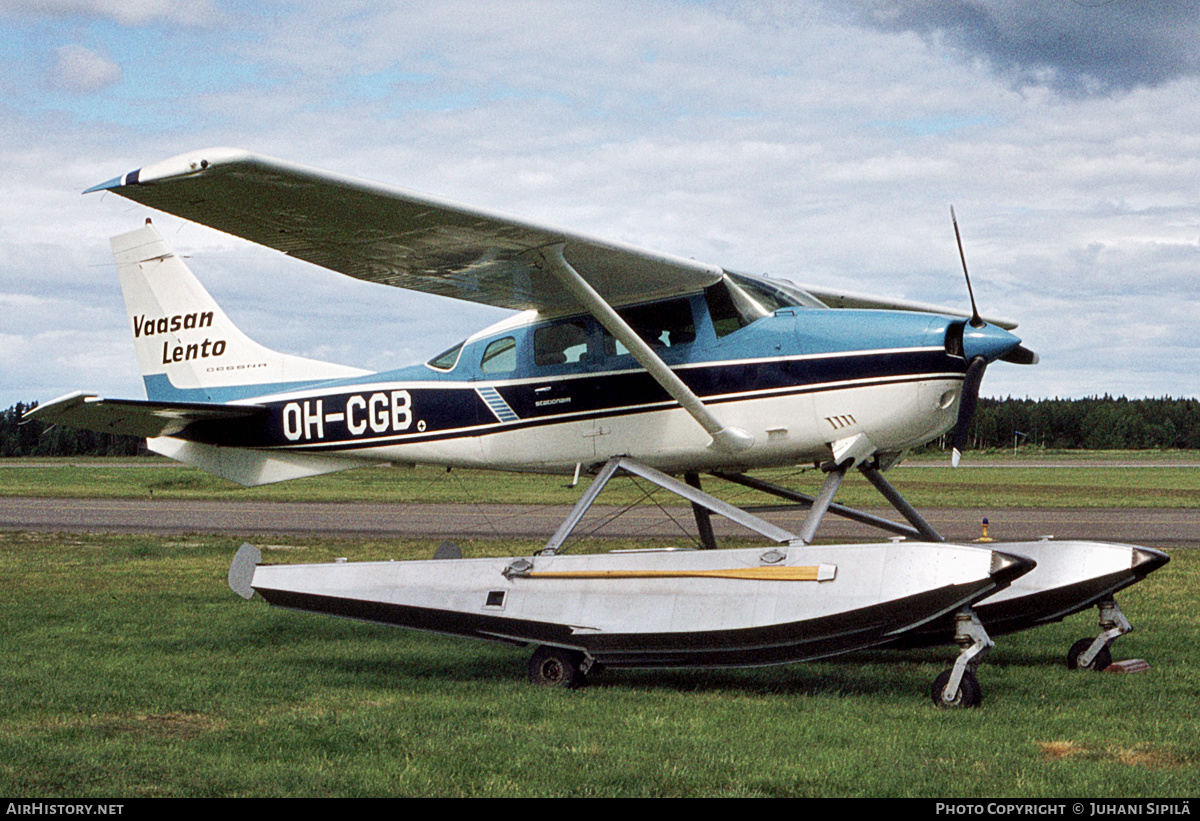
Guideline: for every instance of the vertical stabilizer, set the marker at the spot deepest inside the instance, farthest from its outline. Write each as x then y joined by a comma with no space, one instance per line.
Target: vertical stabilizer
187,348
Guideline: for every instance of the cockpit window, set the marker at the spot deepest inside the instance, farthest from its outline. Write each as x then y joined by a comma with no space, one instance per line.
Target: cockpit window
560,343
661,325
500,356
788,294
446,360
738,299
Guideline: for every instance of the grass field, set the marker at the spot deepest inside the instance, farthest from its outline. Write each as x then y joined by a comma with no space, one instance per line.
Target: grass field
131,670
925,483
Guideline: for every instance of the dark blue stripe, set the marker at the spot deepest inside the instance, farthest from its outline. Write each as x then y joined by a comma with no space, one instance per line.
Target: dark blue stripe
434,412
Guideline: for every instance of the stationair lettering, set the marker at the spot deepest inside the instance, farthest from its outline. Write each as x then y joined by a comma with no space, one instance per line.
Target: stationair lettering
164,324
196,350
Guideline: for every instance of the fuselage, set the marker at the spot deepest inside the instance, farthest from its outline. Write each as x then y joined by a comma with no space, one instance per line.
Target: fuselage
548,394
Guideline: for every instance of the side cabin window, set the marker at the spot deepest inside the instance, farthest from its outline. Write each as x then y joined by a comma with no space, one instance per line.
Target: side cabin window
500,356
660,325
561,343
446,360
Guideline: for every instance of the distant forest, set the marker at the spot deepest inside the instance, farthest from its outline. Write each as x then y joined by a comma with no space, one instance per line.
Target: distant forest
1095,423
39,439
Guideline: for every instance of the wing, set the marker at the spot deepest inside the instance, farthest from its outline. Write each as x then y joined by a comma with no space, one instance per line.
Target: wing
396,237
134,417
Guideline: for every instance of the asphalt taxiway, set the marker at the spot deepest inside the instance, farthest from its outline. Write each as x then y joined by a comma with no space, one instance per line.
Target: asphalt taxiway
1152,527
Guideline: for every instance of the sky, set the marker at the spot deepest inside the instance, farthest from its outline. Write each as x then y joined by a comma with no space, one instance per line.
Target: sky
822,142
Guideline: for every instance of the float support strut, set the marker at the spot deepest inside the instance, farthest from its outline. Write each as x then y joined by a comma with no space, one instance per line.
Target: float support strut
833,480
703,520
906,510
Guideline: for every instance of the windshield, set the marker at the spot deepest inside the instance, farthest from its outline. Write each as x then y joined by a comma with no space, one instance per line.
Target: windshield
739,299
780,292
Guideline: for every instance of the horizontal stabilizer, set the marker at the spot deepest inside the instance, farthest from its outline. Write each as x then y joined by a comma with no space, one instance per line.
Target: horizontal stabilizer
135,417
250,467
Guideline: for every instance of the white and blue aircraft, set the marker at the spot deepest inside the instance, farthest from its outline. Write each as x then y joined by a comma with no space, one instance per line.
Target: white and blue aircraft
619,360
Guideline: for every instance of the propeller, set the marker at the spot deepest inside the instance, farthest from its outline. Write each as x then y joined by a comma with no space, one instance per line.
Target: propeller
976,319
985,339
966,406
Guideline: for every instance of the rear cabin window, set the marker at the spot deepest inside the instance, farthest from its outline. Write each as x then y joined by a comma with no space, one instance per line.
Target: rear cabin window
446,360
661,325
561,343
500,356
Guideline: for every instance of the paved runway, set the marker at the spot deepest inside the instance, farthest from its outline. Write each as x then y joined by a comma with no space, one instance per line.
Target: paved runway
1161,527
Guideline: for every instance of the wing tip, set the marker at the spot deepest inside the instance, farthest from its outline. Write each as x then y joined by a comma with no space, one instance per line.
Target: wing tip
115,182
181,165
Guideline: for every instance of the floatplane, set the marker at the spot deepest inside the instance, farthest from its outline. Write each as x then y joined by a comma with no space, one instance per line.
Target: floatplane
618,360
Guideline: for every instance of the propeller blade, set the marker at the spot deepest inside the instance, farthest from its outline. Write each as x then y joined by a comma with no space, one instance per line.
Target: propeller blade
1021,355
976,319
966,406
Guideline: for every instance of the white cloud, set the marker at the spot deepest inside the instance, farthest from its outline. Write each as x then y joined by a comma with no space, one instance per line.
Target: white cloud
125,12
82,71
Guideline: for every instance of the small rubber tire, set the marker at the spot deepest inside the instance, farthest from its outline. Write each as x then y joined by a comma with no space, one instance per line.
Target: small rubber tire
1102,660
556,667
969,694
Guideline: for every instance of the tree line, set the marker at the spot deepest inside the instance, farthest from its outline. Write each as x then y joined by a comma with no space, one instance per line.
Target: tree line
1094,423
39,439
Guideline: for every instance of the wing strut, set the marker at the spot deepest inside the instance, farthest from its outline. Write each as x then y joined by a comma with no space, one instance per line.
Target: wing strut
730,439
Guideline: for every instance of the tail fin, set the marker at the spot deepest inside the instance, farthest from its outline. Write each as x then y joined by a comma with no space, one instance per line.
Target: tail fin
187,348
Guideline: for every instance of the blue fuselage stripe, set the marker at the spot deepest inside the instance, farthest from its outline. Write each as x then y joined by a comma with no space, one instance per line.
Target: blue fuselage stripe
392,413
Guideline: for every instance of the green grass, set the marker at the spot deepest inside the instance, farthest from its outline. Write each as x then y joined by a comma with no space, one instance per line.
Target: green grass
1037,454
131,670
924,484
